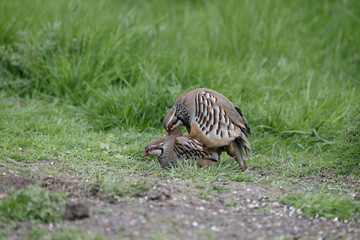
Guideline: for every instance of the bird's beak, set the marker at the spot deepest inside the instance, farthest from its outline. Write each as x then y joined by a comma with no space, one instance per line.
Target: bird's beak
145,154
169,132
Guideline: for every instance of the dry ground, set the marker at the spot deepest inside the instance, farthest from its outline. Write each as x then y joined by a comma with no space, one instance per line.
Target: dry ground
174,210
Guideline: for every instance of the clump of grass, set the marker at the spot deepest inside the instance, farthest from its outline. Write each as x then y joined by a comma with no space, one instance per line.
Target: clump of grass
324,204
347,152
114,188
32,203
219,188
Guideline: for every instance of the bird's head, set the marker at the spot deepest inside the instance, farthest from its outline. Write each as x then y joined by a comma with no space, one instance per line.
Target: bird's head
155,148
171,121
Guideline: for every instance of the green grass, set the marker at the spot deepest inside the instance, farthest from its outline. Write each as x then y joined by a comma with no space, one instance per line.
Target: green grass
132,62
323,204
347,152
114,188
292,67
32,203
57,132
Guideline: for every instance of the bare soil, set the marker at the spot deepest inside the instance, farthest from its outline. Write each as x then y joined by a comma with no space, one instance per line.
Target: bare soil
174,210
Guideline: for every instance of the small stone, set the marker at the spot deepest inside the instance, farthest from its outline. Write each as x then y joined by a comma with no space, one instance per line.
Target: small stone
214,228
76,210
276,204
357,196
195,224
253,206
160,195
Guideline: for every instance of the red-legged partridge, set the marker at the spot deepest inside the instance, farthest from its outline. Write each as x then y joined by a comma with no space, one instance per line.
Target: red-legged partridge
176,148
213,120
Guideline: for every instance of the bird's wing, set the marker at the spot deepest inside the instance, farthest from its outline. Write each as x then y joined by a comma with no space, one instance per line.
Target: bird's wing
189,147
209,100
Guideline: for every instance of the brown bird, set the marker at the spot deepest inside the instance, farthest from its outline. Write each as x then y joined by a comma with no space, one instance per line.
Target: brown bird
175,147
212,119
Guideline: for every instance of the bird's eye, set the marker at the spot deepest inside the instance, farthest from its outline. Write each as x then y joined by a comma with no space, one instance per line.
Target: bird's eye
170,125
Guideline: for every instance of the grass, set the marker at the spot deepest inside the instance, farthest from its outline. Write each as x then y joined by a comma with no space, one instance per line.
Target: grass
347,153
87,83
114,189
33,203
323,204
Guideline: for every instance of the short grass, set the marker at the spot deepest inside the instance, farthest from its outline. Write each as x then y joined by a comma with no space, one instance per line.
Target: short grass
33,203
114,188
347,153
87,83
325,205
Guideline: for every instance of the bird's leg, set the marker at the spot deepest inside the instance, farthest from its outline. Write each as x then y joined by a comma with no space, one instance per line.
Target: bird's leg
239,157
218,150
188,129
204,163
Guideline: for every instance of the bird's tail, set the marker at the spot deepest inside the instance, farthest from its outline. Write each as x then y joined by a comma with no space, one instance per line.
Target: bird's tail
242,150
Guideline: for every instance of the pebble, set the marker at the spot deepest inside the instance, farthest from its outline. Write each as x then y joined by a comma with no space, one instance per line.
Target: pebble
276,204
357,196
214,228
253,206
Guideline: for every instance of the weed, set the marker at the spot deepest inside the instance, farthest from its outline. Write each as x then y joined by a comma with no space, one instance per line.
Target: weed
231,202
219,188
206,195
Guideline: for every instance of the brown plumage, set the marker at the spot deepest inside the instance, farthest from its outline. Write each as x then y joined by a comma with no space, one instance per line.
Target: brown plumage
214,120
176,148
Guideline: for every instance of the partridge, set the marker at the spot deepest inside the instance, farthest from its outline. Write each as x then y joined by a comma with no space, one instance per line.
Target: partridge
175,147
215,121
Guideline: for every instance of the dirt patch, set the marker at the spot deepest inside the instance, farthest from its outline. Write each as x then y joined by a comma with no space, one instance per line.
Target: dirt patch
75,188
16,182
172,209
187,216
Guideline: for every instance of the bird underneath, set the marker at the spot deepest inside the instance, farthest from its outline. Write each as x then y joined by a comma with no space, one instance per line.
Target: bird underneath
214,120
175,147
